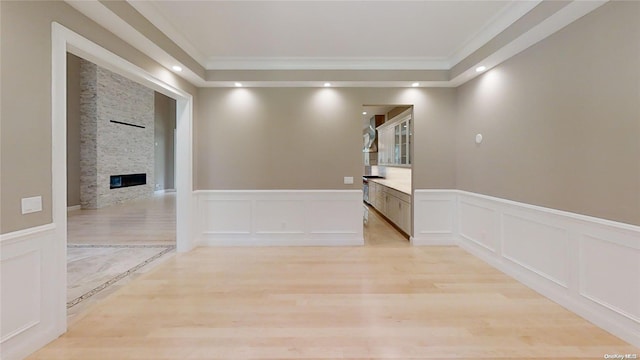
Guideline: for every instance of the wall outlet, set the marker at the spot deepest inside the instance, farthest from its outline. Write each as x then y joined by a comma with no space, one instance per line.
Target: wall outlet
348,180
31,204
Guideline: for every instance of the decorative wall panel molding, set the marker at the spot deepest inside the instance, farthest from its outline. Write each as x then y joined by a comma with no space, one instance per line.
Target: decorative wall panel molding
434,217
27,314
280,217
479,224
537,246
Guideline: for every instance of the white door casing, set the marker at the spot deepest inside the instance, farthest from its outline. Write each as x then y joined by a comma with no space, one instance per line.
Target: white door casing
33,263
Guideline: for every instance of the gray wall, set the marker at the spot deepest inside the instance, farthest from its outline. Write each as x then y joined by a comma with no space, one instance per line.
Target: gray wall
73,130
165,124
25,84
561,121
310,138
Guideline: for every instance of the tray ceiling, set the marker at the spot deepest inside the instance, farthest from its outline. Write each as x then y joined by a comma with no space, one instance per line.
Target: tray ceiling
351,43
331,34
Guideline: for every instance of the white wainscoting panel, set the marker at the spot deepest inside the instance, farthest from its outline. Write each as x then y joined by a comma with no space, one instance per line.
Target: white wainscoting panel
479,224
227,216
434,217
605,268
588,265
280,217
21,300
326,220
27,301
537,246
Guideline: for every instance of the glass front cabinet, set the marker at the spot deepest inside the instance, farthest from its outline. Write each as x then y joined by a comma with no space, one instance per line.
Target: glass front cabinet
394,140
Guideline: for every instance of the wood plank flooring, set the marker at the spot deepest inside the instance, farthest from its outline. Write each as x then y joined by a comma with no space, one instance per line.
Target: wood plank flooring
378,232
149,221
371,302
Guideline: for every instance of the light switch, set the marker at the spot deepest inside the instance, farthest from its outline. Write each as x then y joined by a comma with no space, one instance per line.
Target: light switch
348,180
31,204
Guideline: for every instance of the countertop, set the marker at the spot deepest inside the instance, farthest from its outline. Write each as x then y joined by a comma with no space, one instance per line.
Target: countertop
400,185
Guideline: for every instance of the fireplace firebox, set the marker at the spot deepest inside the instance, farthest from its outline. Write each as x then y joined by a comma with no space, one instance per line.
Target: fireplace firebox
120,181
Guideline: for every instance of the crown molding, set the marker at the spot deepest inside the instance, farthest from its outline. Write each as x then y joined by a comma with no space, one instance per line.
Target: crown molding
334,63
104,17
334,84
149,10
496,25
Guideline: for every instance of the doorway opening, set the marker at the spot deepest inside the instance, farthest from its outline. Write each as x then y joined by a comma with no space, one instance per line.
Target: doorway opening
66,41
387,164
121,218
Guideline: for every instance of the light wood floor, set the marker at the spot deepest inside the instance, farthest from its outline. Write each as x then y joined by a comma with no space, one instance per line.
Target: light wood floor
372,302
378,232
149,221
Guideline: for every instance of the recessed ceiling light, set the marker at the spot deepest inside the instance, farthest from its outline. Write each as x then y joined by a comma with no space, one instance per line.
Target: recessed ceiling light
481,68
364,113
327,84
176,68
238,84
415,84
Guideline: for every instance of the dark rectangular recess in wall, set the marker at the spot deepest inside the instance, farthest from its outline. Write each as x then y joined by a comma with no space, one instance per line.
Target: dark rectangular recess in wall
120,181
128,124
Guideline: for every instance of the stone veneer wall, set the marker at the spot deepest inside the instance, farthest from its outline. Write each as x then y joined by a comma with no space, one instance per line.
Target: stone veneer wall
107,148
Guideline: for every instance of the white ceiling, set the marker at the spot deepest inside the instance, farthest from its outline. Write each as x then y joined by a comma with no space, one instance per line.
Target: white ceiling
316,34
350,43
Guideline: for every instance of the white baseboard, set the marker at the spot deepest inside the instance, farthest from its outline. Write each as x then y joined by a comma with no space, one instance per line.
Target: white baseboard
588,265
164,191
74,207
212,240
433,239
279,217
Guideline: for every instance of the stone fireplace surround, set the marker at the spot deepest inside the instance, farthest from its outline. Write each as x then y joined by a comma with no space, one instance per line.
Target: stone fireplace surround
116,136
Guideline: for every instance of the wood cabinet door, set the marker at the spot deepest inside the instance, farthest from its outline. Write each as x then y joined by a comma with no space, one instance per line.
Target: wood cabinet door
405,221
373,193
394,210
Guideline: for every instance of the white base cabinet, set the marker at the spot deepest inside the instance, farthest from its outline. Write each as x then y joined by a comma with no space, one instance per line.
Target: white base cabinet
393,204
